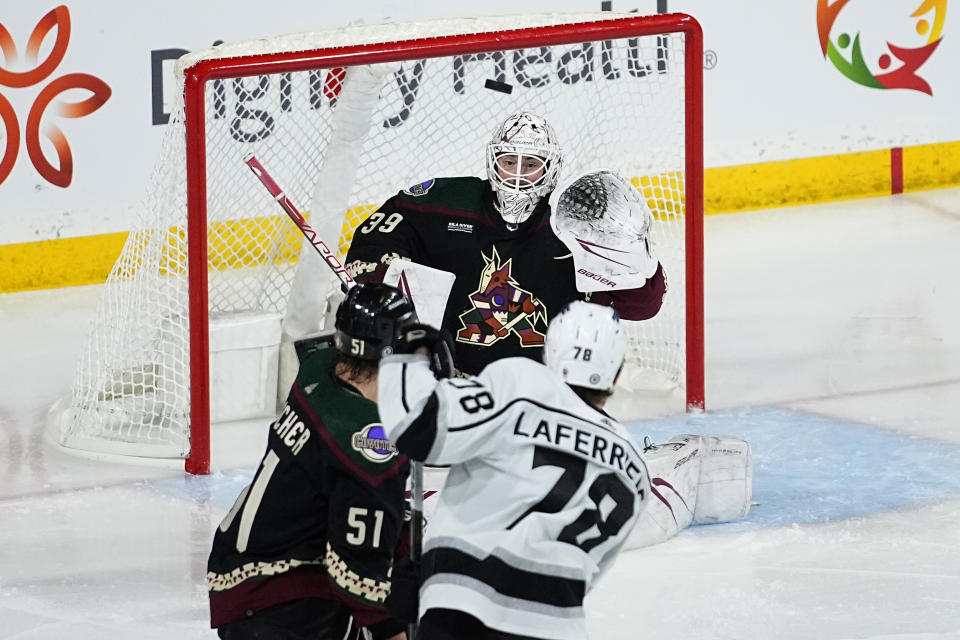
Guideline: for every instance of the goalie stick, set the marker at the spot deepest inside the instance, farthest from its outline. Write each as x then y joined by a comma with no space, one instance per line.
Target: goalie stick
284,201
416,468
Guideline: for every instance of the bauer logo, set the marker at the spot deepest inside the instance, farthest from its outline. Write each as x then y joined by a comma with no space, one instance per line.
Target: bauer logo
41,128
882,45
372,443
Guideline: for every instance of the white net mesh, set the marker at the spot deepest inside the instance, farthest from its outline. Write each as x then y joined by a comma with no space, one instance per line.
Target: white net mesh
616,104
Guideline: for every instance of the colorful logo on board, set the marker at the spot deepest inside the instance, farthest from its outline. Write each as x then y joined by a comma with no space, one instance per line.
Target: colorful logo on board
888,60
41,122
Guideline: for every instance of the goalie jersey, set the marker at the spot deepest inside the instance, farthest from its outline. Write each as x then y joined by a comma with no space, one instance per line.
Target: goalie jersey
509,283
542,491
323,514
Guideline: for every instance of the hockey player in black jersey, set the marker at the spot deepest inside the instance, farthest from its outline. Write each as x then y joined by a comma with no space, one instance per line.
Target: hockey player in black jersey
309,544
512,272
543,490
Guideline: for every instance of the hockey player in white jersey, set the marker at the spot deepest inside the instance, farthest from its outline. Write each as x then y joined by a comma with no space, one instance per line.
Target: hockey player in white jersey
543,488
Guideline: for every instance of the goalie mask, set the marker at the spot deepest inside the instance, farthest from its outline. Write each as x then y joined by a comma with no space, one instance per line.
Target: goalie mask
370,318
586,345
523,162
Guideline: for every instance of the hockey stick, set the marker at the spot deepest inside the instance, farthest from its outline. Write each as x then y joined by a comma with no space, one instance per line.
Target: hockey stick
416,528
321,247
416,468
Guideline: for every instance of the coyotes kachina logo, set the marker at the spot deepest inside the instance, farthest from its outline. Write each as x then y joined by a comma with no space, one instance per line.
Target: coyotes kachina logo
501,308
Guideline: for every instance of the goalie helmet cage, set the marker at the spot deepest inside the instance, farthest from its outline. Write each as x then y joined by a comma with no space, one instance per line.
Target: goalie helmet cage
343,120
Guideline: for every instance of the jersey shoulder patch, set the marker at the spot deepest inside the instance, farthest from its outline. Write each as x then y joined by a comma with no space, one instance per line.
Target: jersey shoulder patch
445,196
419,189
371,442
349,426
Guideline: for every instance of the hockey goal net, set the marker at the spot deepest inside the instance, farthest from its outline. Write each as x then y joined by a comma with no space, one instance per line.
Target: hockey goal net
343,120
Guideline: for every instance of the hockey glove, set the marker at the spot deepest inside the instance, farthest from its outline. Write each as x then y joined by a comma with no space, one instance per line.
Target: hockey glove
403,603
437,343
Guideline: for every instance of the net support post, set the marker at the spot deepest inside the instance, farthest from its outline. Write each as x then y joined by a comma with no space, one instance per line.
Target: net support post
198,462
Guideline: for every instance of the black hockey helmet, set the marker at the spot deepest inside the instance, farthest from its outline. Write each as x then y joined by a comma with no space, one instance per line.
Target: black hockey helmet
370,318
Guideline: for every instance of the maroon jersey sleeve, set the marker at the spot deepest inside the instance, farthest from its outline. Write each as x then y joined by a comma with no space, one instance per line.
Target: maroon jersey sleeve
641,303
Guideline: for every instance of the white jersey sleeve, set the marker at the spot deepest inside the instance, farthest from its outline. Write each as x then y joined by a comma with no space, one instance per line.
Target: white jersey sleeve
441,422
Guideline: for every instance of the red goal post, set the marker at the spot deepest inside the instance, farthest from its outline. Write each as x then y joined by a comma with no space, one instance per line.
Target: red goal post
621,69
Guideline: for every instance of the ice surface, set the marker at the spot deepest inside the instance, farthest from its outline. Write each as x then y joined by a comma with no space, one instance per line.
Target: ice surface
832,344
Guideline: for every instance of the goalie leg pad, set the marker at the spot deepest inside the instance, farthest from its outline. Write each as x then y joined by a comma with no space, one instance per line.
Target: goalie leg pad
726,480
694,480
674,468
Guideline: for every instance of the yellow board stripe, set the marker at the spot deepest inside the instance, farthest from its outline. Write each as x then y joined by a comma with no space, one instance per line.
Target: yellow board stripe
931,166
65,262
793,182
85,260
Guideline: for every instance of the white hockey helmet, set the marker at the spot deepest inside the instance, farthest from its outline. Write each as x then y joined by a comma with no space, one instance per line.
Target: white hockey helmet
586,345
523,162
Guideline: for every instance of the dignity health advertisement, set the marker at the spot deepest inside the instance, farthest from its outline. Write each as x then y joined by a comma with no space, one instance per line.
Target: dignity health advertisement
85,87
